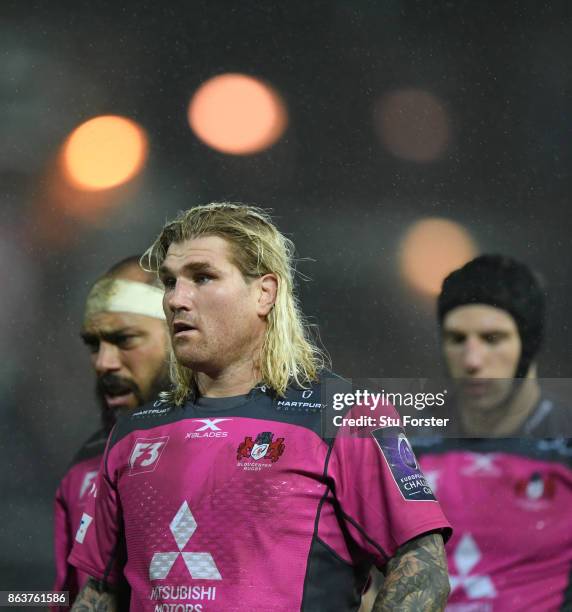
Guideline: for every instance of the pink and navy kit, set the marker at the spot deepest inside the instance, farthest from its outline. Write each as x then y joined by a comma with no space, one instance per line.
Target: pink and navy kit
71,498
510,503
241,504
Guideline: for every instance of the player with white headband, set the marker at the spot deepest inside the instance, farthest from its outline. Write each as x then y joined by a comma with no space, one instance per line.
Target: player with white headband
124,329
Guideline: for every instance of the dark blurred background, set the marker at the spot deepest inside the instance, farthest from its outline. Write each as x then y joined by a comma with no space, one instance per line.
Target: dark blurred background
392,140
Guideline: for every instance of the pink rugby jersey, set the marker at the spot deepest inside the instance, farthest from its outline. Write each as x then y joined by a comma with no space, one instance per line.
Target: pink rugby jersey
70,502
510,503
242,504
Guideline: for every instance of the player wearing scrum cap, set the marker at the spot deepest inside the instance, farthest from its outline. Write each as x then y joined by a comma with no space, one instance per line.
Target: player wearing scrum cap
247,505
125,332
506,486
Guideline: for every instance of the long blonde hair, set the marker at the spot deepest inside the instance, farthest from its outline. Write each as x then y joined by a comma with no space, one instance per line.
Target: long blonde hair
287,355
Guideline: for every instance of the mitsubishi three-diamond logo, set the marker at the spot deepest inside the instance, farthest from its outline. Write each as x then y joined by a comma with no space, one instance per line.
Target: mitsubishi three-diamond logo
200,565
467,555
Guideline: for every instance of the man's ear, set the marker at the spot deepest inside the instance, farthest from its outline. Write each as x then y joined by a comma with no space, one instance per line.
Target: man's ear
268,288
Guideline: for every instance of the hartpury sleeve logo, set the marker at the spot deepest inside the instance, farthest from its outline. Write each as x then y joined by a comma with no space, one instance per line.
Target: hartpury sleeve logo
201,565
262,447
145,454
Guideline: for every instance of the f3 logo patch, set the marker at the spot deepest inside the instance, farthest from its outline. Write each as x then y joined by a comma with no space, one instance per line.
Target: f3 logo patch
145,454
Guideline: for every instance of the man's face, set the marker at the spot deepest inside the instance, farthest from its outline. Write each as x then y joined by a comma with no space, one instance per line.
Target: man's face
482,348
213,313
129,356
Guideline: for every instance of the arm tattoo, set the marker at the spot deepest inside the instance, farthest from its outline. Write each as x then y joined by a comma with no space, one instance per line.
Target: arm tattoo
94,598
416,577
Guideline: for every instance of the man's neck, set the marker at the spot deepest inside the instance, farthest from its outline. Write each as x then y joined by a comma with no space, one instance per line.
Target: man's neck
507,419
236,379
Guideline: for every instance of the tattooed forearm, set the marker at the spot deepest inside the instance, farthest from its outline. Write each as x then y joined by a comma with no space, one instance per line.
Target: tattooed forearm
92,598
416,578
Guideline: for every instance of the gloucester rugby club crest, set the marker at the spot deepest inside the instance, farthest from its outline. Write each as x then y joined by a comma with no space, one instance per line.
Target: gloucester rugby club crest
263,447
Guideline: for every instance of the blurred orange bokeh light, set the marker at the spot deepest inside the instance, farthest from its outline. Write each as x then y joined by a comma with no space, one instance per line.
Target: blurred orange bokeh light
237,114
431,249
104,152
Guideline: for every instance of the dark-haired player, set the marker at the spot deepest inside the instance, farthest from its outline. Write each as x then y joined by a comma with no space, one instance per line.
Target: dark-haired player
506,486
125,332
227,496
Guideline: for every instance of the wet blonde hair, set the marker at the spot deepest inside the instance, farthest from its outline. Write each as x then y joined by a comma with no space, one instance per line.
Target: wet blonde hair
257,247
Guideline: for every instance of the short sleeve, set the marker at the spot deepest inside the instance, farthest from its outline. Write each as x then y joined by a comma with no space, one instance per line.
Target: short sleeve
98,547
382,494
66,576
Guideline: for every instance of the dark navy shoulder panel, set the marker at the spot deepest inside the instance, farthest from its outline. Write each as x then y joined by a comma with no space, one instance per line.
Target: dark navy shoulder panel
152,415
550,449
92,447
550,419
544,436
309,407
305,407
